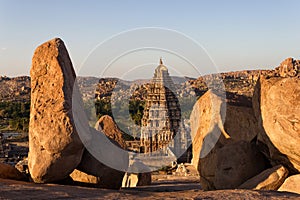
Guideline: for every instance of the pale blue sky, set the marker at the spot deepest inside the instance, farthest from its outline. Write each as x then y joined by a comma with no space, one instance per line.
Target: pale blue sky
236,34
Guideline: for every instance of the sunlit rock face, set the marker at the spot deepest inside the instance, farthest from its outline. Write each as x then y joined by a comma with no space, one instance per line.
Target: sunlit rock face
55,148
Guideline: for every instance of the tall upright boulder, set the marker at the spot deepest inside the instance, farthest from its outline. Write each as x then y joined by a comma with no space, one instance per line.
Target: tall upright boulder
55,148
276,103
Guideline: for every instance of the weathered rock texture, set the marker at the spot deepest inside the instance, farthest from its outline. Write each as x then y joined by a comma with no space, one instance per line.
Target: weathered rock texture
212,117
288,68
108,162
223,154
11,189
9,172
79,176
110,129
234,164
276,105
291,184
55,148
109,178
270,179
206,119
22,166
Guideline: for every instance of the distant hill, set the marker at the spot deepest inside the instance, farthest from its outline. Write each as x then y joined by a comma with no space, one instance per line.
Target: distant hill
17,89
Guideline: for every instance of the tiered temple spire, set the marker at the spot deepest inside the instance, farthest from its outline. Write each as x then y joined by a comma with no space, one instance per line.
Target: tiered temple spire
162,115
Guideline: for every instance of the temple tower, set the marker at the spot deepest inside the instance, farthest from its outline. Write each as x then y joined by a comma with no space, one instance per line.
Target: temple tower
162,115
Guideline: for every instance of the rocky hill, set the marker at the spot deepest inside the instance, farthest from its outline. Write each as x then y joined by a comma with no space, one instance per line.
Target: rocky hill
239,83
15,89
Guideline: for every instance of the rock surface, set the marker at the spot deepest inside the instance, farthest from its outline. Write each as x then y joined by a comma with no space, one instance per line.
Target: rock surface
9,172
235,163
110,129
108,159
206,119
212,117
55,148
291,184
212,141
15,190
270,179
104,159
276,105
22,166
82,177
288,68
133,179
109,178
136,179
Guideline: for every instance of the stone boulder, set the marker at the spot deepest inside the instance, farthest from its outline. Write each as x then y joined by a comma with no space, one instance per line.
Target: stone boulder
55,148
233,165
288,68
270,179
133,179
181,170
291,184
276,105
9,172
136,179
108,177
212,120
105,159
110,129
22,166
206,118
216,127
82,177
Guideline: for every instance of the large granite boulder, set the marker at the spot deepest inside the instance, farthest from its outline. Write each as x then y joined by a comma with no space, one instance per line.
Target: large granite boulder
276,105
206,119
214,121
55,148
222,136
9,172
108,177
110,129
228,166
291,184
270,179
104,158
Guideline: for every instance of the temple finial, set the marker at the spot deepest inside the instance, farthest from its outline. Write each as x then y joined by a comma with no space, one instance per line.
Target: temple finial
161,61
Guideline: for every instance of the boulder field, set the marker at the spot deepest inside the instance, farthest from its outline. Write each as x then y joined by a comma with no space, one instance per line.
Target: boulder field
252,145
237,146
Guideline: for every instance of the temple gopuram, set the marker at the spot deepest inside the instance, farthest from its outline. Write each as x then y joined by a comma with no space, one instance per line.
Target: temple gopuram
161,121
